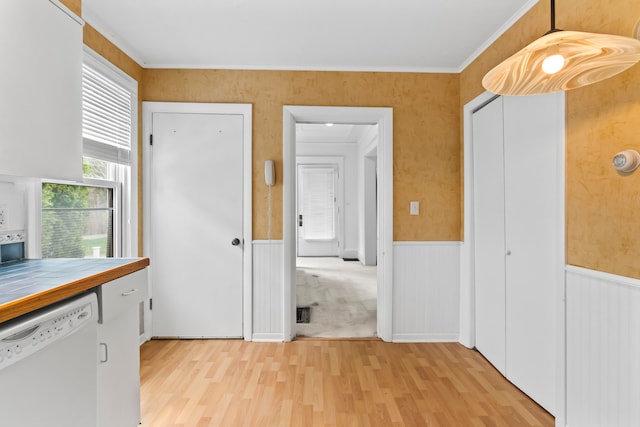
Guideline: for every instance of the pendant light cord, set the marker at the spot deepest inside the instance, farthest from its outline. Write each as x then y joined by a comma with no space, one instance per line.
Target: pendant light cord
552,26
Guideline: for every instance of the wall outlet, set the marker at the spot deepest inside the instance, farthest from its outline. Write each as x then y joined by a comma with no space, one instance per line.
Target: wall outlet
4,216
414,208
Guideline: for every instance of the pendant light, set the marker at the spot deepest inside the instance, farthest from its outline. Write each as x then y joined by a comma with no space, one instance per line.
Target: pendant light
562,60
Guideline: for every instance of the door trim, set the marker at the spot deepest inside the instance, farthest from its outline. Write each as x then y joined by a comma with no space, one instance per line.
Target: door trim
148,108
383,117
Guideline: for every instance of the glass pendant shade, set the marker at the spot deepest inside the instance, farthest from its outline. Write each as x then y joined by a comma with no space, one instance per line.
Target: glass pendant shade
562,60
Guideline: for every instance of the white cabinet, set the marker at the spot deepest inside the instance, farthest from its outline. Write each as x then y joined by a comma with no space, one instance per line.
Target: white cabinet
41,87
518,223
119,350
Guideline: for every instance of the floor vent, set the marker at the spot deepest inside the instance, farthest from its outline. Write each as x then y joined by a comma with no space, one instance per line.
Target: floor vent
303,314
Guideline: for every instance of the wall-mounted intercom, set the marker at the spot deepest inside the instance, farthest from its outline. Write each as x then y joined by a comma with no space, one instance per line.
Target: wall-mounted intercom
269,173
626,161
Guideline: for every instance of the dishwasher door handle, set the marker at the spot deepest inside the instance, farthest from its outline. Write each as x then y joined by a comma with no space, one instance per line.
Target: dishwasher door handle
106,352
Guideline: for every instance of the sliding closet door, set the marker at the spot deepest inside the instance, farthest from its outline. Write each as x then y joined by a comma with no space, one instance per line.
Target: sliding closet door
518,223
533,133
489,223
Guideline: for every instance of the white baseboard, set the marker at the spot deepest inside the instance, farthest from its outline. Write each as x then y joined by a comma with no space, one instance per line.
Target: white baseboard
350,253
425,338
268,338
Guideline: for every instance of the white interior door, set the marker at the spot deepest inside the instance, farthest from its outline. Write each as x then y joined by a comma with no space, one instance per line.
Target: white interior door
532,194
196,194
489,217
318,210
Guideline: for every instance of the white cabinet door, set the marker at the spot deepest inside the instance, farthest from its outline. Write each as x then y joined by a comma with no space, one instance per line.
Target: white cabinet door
41,87
119,350
119,371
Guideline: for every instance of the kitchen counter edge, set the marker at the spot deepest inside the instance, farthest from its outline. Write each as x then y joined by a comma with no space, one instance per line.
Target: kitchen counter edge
33,302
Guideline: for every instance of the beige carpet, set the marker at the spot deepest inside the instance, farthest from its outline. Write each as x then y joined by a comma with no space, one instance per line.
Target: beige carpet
342,297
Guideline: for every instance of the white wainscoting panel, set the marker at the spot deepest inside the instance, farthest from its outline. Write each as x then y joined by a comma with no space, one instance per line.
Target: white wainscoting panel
267,291
603,349
426,291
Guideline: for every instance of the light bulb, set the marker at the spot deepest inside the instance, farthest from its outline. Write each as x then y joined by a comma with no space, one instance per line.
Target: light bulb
552,64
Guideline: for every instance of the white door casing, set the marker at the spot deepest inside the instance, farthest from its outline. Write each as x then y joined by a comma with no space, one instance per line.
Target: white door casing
197,201
352,115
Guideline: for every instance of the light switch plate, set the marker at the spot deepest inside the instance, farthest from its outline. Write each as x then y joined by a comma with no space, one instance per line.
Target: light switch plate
414,208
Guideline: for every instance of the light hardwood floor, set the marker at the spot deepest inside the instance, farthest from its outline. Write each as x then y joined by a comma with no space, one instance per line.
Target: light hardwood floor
195,383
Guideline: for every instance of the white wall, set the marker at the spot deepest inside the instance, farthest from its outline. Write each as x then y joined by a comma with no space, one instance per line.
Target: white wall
602,349
425,291
17,195
349,151
367,220
268,312
426,285
13,197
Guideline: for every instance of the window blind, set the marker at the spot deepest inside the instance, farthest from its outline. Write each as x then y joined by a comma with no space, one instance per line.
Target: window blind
106,112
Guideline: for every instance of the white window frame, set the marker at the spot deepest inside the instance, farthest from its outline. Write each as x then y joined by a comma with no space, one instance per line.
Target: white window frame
128,193
117,206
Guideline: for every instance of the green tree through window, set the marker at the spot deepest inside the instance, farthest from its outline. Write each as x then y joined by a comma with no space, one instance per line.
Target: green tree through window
76,219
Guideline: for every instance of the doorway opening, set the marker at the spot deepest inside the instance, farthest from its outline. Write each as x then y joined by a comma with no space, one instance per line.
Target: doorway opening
336,281
340,236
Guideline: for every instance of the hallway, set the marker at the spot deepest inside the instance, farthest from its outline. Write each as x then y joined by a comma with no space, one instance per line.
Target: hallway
341,295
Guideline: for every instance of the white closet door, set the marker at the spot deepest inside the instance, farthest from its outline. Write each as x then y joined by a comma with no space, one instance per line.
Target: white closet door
532,128
488,188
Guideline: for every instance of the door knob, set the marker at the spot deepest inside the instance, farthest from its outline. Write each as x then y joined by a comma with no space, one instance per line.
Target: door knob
235,242
508,253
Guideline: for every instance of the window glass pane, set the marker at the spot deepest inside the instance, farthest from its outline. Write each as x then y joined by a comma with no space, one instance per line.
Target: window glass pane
94,168
77,221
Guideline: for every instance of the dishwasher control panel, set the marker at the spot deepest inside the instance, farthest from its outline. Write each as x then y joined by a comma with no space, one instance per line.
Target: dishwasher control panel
21,339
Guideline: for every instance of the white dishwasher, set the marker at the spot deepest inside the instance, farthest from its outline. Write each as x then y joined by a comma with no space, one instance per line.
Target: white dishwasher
48,366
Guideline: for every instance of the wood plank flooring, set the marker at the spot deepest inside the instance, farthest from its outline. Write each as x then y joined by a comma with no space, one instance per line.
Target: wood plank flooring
196,383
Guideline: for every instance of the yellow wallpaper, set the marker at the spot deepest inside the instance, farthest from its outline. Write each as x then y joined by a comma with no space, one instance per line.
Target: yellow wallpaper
74,5
603,226
426,132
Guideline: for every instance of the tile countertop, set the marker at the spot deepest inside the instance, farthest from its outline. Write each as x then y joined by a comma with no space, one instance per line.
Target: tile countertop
31,284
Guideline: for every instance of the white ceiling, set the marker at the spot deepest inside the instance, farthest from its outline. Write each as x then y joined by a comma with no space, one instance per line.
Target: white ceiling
354,35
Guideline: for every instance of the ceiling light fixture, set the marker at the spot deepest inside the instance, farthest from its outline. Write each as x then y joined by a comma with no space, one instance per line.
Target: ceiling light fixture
562,60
